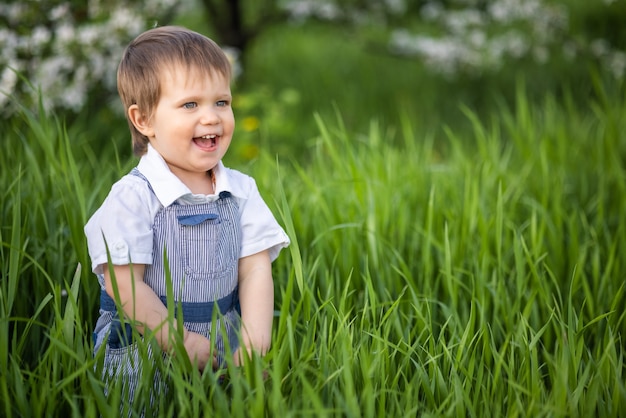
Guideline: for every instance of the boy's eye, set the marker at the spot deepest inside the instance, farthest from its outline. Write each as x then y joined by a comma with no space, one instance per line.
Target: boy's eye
190,105
222,103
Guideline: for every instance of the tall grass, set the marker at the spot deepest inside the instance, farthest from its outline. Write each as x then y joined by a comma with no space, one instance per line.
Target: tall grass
469,273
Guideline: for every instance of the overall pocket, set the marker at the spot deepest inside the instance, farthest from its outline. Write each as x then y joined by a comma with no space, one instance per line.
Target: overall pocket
208,246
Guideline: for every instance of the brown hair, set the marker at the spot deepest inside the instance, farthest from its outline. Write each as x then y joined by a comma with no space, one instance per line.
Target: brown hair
141,68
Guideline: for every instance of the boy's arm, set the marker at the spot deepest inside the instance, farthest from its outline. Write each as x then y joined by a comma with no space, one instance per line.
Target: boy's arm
256,297
146,310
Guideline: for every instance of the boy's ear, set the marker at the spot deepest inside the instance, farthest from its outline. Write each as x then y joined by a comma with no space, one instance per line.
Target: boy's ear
140,120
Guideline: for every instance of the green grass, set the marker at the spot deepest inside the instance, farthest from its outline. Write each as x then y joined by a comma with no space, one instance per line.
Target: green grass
463,272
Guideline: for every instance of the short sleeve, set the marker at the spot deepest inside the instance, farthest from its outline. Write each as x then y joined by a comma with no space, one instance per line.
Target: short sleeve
123,224
260,230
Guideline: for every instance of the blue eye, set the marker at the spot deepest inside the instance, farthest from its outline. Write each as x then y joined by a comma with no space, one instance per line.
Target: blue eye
190,105
222,103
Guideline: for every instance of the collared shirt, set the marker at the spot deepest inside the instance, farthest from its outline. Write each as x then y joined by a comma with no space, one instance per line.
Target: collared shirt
124,221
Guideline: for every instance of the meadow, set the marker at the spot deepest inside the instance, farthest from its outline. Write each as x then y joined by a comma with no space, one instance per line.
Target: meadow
471,265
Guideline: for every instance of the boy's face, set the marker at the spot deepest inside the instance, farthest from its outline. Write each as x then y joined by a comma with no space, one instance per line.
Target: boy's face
193,122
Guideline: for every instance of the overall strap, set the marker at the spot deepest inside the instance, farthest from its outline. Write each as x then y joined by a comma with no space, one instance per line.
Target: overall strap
135,172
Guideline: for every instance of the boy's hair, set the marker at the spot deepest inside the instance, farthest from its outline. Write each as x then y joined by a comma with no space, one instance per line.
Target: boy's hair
149,54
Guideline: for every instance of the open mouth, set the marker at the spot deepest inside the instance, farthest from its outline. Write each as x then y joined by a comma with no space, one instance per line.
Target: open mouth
206,142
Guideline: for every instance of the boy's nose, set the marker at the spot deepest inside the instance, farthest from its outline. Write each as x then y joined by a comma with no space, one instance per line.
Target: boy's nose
209,116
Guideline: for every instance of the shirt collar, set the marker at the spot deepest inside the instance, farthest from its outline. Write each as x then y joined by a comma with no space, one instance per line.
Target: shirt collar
167,187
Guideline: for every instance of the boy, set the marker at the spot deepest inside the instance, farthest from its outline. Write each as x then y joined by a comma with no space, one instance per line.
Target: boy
180,207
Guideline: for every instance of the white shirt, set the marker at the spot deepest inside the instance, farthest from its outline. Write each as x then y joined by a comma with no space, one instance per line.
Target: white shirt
124,221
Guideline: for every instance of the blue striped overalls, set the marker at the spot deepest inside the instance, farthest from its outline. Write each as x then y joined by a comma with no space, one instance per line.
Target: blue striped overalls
202,245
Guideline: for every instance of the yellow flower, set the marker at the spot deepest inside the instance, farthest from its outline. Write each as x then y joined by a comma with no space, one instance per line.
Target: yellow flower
250,123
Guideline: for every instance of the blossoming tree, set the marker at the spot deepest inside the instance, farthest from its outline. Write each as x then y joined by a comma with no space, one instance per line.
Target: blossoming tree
68,49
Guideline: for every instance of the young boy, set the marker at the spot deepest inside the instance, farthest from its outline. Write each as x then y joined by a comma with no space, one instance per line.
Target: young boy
181,208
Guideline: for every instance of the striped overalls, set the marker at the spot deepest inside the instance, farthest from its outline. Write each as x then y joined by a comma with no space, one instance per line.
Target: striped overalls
202,245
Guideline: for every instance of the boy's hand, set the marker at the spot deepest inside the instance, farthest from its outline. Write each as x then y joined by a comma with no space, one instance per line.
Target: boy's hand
199,350
239,360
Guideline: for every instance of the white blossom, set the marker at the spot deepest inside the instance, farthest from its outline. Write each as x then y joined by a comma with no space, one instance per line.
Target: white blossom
396,6
125,19
73,96
65,33
506,11
460,22
8,81
233,57
300,10
13,12
65,59
477,38
8,42
599,47
89,34
474,38
617,64
59,12
432,11
445,55
41,36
